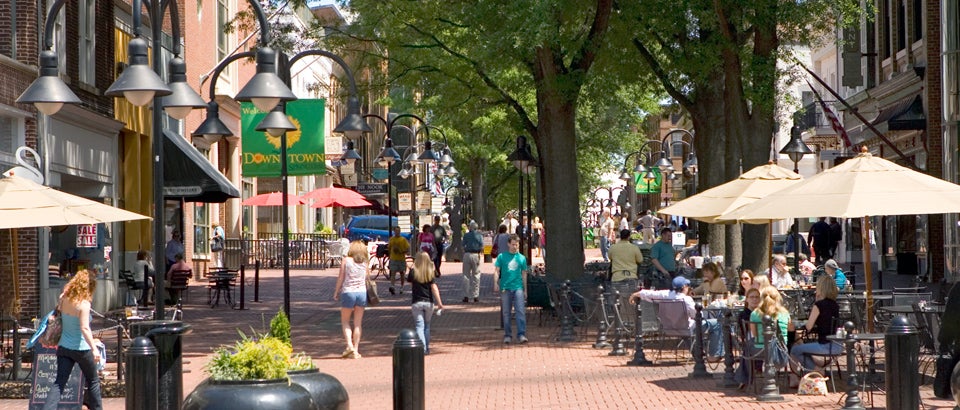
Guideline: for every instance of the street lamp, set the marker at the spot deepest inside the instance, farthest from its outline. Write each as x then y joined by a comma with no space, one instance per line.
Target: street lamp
524,160
269,92
796,149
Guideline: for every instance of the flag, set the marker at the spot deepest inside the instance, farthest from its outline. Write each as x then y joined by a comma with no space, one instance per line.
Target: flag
832,117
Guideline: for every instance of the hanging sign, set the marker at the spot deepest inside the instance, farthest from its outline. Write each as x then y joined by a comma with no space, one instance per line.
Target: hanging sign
305,145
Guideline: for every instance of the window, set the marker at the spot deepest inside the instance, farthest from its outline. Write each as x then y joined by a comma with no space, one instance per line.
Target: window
59,36
248,192
87,41
201,223
901,25
223,41
886,38
11,132
917,20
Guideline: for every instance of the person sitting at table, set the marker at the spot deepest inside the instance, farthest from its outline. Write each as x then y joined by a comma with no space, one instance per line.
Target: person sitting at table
742,375
761,281
779,273
143,274
833,271
821,320
681,291
746,281
807,268
178,265
712,280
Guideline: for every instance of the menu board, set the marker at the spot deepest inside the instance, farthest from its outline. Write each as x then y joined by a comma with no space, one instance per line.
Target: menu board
45,377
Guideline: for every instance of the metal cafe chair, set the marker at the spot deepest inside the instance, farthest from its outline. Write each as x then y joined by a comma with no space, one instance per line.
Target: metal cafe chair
674,322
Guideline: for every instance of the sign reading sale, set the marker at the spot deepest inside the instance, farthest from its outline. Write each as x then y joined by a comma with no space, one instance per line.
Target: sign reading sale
86,236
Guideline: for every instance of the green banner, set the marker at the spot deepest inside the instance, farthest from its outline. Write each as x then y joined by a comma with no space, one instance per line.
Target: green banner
261,152
648,187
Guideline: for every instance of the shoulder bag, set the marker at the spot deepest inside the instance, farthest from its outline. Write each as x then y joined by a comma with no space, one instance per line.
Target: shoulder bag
51,335
373,298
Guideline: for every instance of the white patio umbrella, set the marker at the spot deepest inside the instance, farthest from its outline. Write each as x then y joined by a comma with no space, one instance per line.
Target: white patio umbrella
26,204
861,187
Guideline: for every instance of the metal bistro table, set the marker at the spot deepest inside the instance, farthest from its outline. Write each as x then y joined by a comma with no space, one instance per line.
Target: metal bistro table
19,335
221,281
872,378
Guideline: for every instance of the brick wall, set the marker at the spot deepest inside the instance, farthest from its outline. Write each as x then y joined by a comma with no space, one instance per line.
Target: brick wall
934,141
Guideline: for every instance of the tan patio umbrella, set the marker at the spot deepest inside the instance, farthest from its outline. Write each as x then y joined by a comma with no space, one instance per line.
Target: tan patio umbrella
26,204
721,199
860,187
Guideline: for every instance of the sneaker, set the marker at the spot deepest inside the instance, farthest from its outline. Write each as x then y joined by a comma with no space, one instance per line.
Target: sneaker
393,291
522,339
465,300
506,340
476,300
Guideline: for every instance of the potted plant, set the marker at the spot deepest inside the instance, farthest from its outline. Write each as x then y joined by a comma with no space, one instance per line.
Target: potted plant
263,372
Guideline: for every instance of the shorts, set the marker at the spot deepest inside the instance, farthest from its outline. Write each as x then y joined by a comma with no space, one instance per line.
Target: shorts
398,266
350,300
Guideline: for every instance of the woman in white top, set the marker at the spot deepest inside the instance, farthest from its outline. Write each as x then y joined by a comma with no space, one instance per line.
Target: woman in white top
351,291
143,274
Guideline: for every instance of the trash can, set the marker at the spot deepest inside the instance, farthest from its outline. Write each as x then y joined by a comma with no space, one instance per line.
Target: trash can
487,246
166,336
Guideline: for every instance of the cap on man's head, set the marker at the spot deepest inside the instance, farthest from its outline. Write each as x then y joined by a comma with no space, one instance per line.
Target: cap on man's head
679,282
830,263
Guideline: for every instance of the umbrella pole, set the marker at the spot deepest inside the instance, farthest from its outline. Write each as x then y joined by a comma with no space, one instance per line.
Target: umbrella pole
867,274
16,277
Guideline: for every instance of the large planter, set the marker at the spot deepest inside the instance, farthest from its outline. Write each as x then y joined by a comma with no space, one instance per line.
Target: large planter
327,392
275,394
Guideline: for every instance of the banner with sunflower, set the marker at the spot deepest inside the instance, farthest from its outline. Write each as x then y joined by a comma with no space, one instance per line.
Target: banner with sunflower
261,151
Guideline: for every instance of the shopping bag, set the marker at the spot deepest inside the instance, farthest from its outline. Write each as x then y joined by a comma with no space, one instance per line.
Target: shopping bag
373,298
813,384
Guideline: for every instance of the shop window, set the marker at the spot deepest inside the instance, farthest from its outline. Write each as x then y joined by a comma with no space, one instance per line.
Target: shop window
201,228
247,222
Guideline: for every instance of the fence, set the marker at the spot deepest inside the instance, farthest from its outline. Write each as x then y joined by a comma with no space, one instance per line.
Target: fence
307,251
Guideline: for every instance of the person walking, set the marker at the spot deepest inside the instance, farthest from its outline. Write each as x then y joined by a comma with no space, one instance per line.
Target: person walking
439,241
500,241
649,223
472,248
425,296
819,238
397,247
351,291
836,235
536,243
510,280
216,245
606,234
76,345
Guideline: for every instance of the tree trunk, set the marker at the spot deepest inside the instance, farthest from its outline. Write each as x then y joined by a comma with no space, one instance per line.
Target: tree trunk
478,193
557,156
708,119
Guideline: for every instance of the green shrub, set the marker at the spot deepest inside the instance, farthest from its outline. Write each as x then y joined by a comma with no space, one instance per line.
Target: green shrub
268,356
280,327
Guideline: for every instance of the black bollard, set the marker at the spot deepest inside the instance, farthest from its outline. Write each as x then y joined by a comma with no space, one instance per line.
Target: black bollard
853,384
601,342
769,391
728,361
567,334
902,345
699,368
142,375
639,359
256,281
408,376
243,282
618,347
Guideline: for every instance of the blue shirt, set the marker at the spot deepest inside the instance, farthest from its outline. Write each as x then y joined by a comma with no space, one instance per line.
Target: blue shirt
511,267
71,337
841,279
663,252
473,242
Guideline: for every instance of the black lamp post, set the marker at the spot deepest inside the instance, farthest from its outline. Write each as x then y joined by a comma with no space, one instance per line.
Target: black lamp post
796,149
411,159
139,84
524,161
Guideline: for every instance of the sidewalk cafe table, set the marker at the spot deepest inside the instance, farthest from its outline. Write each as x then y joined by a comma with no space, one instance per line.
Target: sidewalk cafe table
221,281
871,339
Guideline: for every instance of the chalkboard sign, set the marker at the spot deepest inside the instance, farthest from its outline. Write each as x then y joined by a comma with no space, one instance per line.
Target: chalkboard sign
45,377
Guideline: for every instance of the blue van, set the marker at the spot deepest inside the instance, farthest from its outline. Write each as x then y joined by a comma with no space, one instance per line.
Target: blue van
372,227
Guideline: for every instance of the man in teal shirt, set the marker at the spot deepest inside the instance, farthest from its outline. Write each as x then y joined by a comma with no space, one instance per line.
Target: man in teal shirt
662,254
510,279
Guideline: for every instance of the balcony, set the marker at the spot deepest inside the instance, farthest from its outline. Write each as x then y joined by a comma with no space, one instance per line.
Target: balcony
812,118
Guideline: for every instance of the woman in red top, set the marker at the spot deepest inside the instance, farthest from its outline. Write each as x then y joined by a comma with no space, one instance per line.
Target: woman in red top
426,241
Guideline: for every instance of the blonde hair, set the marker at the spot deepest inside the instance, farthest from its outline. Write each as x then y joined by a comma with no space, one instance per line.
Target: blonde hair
827,287
761,281
770,302
358,252
81,287
423,268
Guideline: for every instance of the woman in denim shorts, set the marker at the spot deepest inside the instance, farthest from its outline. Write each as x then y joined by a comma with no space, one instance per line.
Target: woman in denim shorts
351,291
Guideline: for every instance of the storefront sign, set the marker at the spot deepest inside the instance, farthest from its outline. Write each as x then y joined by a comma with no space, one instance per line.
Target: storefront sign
648,187
333,148
86,236
305,145
404,201
424,201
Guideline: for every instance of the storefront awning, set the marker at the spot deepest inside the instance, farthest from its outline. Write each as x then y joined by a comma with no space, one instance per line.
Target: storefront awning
188,175
906,114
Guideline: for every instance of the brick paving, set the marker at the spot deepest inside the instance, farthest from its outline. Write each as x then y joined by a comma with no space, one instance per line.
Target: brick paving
469,367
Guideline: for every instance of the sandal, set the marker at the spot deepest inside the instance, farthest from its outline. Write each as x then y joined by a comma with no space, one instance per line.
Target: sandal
347,353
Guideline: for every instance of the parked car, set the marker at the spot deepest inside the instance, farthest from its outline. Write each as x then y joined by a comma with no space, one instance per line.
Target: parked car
370,227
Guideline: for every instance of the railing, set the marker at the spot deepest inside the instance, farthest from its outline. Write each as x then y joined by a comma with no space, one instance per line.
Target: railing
307,251
812,116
